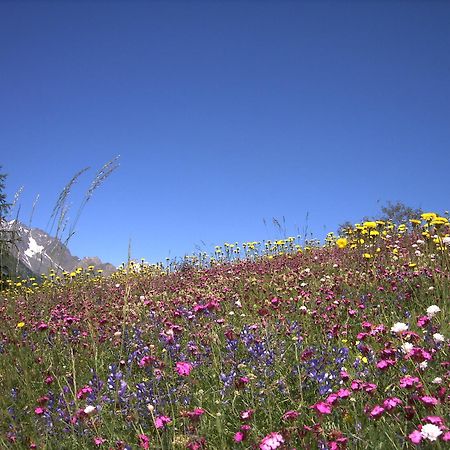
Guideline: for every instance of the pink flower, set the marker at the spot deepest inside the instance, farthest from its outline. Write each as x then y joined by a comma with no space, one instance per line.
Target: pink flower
144,442
435,420
408,381
239,436
161,421
344,393
385,363
429,401
146,360
83,392
99,441
183,368
415,437
271,441
376,412
446,436
39,411
322,407
422,321
290,415
391,403
332,398
245,415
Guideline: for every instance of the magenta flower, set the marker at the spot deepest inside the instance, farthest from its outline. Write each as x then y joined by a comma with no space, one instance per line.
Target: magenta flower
242,434
271,441
183,368
161,421
99,441
415,437
385,363
83,392
391,402
408,381
322,408
290,415
344,393
144,442
435,420
39,411
146,360
429,401
245,415
239,436
376,412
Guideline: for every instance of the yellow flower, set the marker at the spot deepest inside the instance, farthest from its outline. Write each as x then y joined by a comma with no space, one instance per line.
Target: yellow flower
428,216
342,242
439,221
367,256
415,221
370,224
20,325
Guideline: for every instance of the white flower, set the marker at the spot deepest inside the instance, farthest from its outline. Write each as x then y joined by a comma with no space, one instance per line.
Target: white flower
446,240
433,310
431,288
399,327
437,380
438,337
89,410
423,365
407,347
430,432
420,241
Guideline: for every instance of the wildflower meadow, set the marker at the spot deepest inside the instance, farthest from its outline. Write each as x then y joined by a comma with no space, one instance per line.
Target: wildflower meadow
265,345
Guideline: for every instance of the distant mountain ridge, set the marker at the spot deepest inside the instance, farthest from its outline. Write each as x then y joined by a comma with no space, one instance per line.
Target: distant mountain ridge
38,252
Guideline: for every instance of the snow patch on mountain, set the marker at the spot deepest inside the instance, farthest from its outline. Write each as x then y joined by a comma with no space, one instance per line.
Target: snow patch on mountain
33,247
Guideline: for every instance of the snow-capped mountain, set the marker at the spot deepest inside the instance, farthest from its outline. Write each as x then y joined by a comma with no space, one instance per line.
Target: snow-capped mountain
39,252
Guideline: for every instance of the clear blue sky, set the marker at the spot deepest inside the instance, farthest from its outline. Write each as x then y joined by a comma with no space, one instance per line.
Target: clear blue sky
224,114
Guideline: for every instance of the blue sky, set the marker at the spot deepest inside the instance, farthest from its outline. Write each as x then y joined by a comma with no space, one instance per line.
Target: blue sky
225,114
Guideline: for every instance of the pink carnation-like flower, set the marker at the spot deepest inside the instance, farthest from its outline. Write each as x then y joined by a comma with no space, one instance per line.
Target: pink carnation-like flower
323,408
435,420
183,368
344,393
39,411
408,381
161,421
415,437
83,392
429,401
99,441
391,403
376,412
144,442
245,415
239,436
290,415
271,441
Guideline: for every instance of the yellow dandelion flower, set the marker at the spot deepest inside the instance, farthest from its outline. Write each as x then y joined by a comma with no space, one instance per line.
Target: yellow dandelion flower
342,242
428,216
367,256
370,224
20,325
